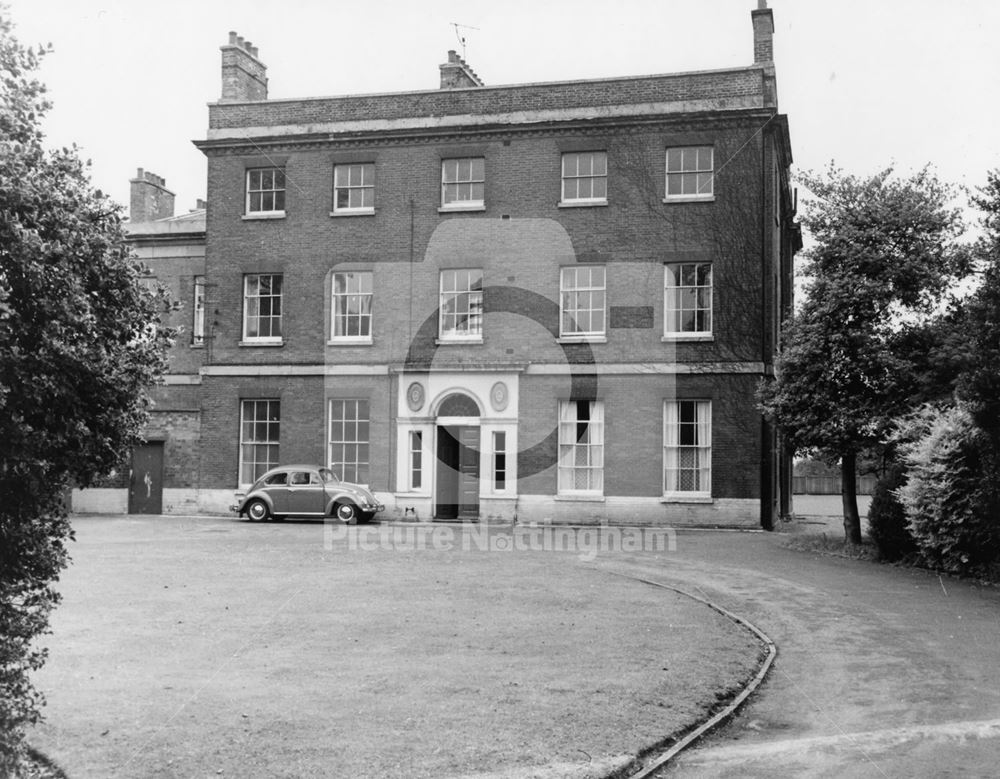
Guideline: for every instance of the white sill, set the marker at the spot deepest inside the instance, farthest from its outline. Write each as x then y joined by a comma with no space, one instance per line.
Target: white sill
350,341
581,203
689,198
462,207
197,346
674,337
686,497
263,215
582,339
583,497
476,340
354,212
270,342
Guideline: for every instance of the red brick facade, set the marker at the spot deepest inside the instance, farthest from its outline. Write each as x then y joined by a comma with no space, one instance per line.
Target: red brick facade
521,371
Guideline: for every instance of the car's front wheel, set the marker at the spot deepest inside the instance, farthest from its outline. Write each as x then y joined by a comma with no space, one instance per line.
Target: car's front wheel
346,513
257,511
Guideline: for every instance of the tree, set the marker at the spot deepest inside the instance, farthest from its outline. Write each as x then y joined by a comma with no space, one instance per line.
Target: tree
886,250
79,346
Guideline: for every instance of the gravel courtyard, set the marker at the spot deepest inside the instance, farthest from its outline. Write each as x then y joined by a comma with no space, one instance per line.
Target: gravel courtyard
210,646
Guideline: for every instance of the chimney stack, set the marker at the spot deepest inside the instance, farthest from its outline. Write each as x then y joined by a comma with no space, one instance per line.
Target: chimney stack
244,76
763,33
149,198
456,74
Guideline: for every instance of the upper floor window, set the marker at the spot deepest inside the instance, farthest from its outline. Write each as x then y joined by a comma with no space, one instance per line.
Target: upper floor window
354,188
585,177
352,307
461,305
265,191
690,173
687,447
687,299
262,307
198,307
463,182
582,301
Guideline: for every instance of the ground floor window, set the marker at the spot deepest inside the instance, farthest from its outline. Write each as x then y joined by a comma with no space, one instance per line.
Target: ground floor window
687,447
581,447
260,422
416,459
499,460
349,431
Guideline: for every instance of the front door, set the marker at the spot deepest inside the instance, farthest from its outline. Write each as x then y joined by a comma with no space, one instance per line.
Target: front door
457,472
145,489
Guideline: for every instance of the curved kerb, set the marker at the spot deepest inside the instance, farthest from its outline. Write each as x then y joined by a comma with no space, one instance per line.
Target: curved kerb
648,770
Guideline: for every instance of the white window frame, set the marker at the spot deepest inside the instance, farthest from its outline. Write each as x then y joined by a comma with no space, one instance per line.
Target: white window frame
339,448
249,304
455,182
703,296
451,293
276,193
677,454
198,312
364,187
266,419
679,164
415,470
573,179
341,304
581,450
498,449
573,293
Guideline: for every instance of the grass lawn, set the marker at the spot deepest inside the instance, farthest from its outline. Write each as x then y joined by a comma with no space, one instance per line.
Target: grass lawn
207,647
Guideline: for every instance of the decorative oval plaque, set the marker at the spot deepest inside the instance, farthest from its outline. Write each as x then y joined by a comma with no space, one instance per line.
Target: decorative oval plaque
415,396
498,396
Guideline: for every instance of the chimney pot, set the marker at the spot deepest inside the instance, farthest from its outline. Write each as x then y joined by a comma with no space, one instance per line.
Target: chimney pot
244,77
456,73
149,198
763,33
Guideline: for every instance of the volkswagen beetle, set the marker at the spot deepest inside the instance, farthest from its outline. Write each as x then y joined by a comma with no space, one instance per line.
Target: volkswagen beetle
306,491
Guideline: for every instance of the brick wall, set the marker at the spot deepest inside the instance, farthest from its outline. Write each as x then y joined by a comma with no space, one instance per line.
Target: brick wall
520,240
717,85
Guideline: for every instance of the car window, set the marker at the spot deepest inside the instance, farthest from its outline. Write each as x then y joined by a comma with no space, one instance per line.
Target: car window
328,476
300,477
277,478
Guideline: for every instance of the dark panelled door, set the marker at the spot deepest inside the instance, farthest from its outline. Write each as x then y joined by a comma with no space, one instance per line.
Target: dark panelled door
457,472
468,472
145,489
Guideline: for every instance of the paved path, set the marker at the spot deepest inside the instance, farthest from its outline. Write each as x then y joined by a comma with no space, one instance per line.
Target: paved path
881,671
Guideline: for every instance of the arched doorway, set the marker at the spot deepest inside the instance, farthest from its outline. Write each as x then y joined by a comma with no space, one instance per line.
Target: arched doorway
457,488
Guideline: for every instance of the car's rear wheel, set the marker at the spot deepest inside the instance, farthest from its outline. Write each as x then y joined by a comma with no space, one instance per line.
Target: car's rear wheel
346,513
257,511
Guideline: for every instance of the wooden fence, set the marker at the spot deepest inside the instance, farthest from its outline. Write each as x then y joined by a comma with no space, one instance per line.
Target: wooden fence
829,485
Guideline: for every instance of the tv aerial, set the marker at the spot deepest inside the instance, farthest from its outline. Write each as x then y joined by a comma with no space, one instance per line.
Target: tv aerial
460,36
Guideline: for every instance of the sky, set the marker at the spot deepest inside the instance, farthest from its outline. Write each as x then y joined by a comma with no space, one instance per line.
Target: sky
866,84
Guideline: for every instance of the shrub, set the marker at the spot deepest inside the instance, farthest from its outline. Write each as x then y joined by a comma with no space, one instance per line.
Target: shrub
950,496
887,523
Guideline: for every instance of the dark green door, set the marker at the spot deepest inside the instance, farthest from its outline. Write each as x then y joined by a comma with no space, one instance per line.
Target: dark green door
145,489
457,472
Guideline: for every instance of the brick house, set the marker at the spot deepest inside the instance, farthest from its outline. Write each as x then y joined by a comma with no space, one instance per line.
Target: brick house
162,473
548,301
